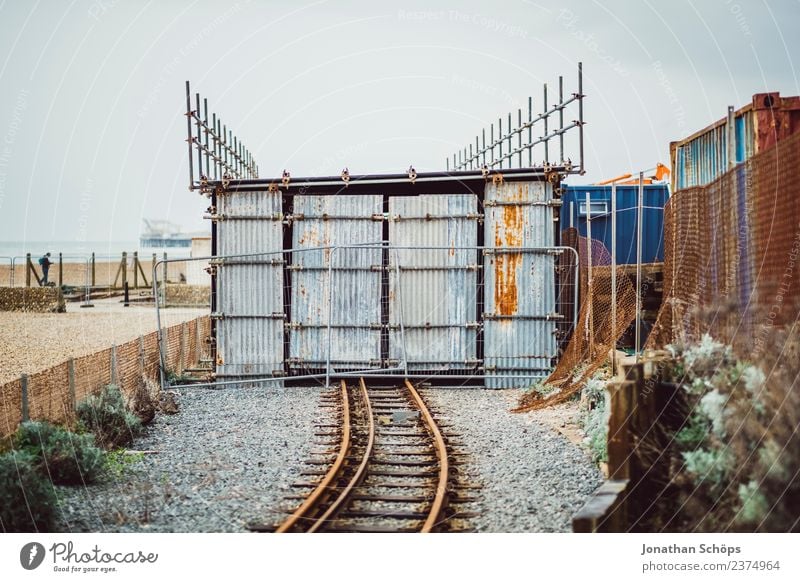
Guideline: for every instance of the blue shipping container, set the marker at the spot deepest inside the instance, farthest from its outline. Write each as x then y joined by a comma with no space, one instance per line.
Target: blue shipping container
573,214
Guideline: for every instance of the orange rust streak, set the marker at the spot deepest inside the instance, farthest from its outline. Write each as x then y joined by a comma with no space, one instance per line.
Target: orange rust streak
505,289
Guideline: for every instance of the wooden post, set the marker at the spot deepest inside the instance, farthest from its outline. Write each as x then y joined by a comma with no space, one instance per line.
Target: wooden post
114,374
124,266
166,270
135,269
23,379
60,269
71,380
141,356
94,279
28,267
182,355
197,349
138,265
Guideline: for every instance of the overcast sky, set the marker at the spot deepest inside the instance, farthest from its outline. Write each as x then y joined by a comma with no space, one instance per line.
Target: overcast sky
92,92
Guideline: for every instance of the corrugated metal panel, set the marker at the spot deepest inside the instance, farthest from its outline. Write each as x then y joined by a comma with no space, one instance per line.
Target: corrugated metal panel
519,340
249,290
654,198
356,305
437,288
703,157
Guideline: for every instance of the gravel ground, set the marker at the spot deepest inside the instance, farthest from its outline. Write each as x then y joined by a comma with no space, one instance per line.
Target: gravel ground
35,341
533,479
225,460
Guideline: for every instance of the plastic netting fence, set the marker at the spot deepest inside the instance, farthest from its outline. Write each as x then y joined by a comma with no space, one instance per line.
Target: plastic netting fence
52,393
593,336
731,255
731,264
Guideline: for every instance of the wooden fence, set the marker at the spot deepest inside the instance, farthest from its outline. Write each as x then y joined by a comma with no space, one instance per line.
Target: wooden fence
52,394
644,414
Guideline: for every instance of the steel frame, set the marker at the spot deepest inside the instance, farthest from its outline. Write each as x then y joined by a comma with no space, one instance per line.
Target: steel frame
401,370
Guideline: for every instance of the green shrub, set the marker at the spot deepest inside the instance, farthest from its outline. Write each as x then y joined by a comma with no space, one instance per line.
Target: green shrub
67,458
118,462
27,499
595,419
693,434
108,418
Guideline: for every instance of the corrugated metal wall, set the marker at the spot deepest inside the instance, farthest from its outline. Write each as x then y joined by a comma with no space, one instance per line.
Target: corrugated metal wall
250,290
436,294
436,289
519,339
654,198
356,293
705,155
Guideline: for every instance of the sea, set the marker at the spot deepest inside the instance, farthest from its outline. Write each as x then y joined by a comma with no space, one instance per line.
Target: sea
81,250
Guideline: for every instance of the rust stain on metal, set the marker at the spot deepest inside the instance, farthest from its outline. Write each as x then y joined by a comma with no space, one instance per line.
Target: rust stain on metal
509,234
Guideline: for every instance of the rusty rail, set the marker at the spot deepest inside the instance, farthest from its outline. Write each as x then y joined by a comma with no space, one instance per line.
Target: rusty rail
334,502
360,473
312,501
441,452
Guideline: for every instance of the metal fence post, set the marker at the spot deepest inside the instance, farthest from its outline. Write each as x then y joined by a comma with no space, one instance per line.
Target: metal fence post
71,380
23,380
94,279
614,279
60,269
164,287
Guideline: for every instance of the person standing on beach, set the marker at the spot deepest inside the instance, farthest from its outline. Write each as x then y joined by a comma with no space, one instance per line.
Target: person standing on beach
45,262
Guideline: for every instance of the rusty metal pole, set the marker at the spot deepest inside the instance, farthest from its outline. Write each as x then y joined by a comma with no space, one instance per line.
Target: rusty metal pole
639,265
94,278
613,278
589,290
28,270
60,269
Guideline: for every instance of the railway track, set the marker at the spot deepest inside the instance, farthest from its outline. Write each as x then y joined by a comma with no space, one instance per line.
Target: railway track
385,466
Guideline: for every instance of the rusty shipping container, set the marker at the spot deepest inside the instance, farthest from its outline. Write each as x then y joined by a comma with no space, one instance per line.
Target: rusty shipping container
710,152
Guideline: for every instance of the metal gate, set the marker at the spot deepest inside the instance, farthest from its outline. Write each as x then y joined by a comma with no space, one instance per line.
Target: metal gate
249,290
437,273
336,287
520,315
434,291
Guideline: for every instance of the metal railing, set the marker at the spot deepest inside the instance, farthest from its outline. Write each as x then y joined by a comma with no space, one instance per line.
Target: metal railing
220,155
387,367
510,146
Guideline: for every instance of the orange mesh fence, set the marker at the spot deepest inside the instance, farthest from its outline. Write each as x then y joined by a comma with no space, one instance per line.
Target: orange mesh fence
49,393
151,358
731,255
129,367
731,264
593,337
91,373
10,407
172,348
